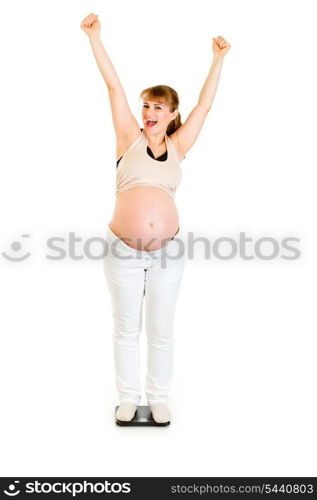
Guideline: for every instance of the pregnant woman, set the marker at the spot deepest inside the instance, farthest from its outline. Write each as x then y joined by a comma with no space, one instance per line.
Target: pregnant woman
145,244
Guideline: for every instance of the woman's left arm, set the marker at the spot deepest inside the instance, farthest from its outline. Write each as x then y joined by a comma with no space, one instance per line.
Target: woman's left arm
220,48
188,132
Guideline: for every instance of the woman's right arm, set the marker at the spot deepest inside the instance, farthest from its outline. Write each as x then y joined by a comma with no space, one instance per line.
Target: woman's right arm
125,124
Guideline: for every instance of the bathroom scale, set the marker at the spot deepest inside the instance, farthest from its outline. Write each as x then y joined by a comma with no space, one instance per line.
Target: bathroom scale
143,416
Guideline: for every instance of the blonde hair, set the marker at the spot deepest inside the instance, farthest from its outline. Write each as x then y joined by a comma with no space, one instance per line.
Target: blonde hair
168,95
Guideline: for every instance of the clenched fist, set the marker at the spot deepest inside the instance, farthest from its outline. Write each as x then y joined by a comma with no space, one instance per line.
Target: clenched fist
220,46
91,25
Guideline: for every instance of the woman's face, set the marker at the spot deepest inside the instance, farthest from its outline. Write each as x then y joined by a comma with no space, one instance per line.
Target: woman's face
156,116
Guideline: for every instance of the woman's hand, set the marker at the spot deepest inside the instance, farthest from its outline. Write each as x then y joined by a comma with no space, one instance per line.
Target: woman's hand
91,25
220,46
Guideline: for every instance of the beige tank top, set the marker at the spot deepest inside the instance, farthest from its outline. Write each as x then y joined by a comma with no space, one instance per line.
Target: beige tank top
137,168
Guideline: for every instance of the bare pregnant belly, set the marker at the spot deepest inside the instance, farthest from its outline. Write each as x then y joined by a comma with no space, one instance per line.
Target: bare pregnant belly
145,218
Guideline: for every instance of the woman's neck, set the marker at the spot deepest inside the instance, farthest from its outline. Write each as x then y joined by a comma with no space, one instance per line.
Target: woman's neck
156,141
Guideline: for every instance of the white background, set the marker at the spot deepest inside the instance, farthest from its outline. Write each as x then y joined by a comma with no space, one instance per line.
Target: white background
243,400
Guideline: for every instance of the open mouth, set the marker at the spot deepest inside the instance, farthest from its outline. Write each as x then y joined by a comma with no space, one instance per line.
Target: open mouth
150,123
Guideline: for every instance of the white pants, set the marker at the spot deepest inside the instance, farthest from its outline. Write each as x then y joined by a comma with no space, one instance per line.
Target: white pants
134,275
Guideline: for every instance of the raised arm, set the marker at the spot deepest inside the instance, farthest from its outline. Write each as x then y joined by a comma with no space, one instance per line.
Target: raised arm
187,134
125,125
